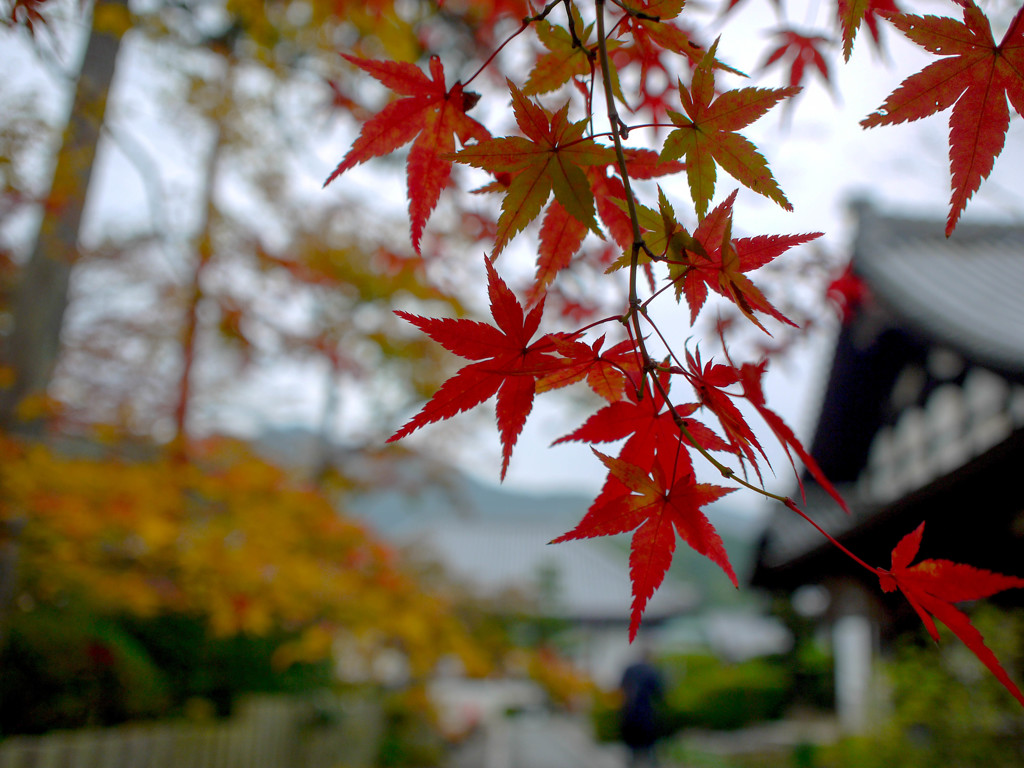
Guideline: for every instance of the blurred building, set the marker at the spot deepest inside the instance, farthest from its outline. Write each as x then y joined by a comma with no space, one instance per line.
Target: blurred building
922,419
495,541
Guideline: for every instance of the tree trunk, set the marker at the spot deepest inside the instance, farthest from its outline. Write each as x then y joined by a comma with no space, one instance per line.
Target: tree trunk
42,294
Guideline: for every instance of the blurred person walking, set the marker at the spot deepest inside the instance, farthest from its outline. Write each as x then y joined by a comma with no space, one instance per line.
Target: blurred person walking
642,694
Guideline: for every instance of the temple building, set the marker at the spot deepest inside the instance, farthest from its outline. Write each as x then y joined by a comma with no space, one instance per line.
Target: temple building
922,419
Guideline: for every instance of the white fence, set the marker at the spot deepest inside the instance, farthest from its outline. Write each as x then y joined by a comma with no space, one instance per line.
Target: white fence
267,732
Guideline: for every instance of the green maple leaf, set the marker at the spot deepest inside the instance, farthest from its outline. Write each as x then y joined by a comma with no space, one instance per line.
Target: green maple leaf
706,135
550,157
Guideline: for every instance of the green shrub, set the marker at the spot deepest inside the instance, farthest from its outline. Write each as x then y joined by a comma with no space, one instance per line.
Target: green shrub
729,696
946,708
703,692
410,736
604,719
68,669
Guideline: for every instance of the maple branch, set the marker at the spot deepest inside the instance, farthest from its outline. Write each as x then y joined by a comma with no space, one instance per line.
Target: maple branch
543,14
576,42
594,324
617,126
636,308
635,13
792,505
524,24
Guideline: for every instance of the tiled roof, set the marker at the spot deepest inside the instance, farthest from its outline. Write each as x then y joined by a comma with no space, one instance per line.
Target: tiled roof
965,292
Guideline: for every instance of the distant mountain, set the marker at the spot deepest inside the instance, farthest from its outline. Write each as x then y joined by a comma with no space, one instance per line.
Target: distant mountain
424,501
460,497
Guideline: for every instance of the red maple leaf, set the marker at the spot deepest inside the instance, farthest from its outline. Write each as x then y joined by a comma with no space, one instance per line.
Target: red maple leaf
800,50
646,424
604,370
932,586
976,78
722,264
561,236
508,364
430,116
708,381
846,293
657,504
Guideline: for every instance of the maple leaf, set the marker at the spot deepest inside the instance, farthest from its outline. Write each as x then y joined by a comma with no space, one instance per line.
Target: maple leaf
654,34
801,50
658,504
976,78
708,382
853,12
932,586
550,157
847,292
430,116
706,135
567,57
610,195
650,25
604,371
663,235
711,258
561,236
508,364
645,423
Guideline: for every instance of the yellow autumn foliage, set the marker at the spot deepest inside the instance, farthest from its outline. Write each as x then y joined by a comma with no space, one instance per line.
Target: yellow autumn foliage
225,535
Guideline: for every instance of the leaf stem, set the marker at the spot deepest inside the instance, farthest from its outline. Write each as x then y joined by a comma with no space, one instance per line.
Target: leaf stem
523,26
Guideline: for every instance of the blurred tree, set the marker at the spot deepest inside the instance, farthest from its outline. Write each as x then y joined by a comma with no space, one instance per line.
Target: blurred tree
132,337
30,350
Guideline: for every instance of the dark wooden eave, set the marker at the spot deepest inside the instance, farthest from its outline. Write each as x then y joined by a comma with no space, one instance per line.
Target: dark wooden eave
962,297
974,515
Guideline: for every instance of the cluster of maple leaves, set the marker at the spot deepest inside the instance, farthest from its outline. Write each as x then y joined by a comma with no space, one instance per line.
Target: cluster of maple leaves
578,180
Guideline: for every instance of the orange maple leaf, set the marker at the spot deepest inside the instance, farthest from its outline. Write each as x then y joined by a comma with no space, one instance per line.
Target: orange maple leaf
430,116
550,157
976,78
706,135
604,370
565,58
